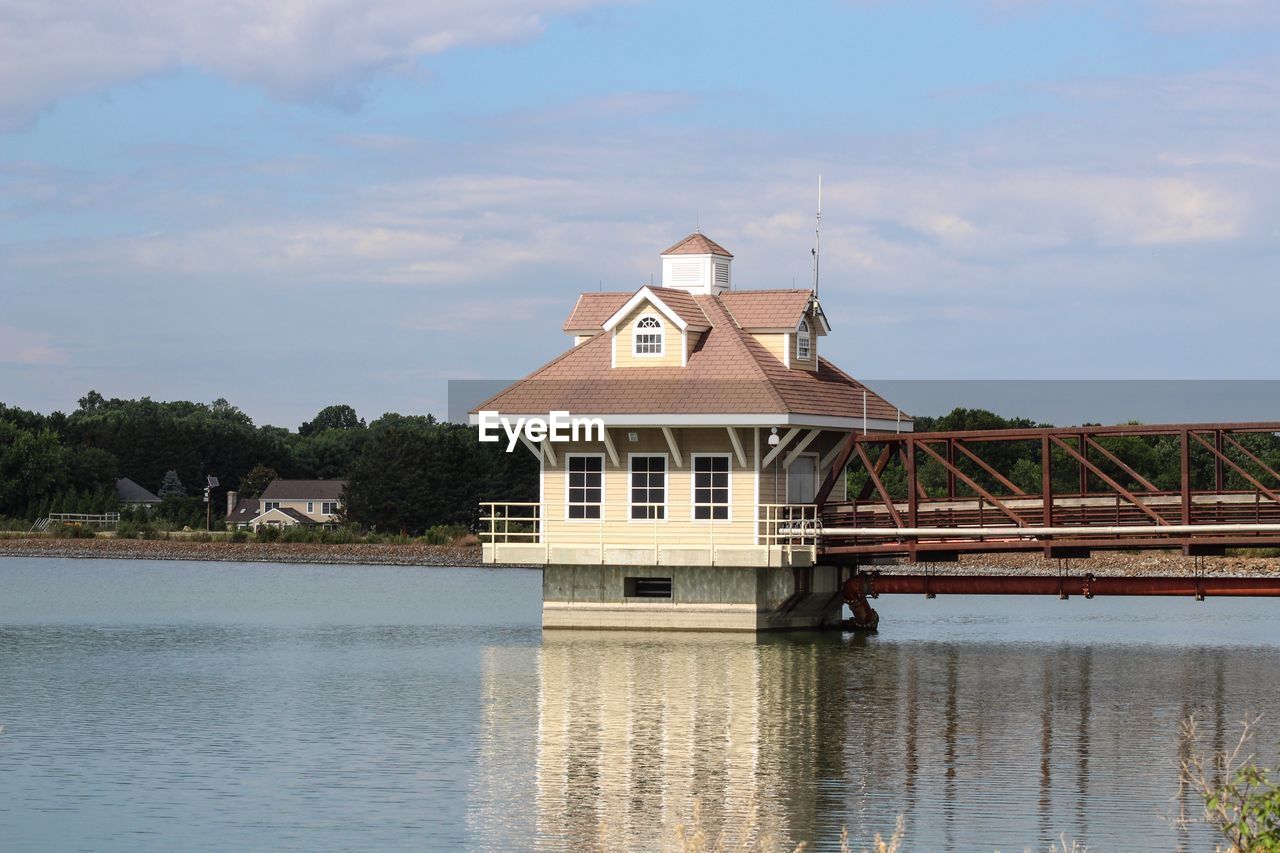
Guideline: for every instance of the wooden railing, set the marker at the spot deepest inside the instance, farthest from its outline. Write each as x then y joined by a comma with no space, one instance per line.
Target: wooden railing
790,526
794,528
106,519
502,523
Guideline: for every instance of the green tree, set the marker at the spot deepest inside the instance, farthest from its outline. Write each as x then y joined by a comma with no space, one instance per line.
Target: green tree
329,455
32,467
256,481
171,486
412,478
332,417
91,469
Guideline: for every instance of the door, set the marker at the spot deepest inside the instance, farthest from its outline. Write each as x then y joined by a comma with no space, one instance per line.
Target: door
802,479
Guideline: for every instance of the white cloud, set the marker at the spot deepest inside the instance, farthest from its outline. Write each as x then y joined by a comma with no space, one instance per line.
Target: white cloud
292,49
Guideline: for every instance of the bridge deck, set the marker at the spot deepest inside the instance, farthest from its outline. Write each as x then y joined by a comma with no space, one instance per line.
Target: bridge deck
1066,492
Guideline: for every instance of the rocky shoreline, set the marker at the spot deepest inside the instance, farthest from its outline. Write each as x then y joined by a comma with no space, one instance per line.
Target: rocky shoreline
1113,563
410,554
1101,564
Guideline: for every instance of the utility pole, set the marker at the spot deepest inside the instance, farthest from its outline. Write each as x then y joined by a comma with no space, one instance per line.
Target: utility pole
211,483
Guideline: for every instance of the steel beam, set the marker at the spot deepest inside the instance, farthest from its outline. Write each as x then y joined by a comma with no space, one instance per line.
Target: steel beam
1061,585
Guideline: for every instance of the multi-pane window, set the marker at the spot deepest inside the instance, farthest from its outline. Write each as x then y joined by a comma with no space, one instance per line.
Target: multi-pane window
270,505
711,487
803,341
586,486
648,487
648,339
328,507
310,507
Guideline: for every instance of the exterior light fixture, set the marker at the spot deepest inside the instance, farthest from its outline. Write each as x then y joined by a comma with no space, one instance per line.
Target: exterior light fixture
773,437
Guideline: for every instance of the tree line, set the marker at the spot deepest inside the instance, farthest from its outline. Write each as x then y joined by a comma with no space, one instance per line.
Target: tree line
408,473
404,473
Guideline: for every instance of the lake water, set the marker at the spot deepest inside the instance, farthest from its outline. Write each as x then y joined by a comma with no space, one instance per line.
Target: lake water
162,706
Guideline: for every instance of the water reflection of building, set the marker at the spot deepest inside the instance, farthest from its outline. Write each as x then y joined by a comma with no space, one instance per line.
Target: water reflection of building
606,739
631,733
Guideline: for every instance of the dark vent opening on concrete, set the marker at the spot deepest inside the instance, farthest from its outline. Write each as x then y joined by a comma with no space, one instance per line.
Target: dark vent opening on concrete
647,588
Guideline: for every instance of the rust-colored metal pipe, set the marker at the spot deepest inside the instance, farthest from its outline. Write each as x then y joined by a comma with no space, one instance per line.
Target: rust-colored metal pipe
873,584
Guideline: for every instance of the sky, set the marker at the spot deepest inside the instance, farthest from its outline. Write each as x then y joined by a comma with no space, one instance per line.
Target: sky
294,204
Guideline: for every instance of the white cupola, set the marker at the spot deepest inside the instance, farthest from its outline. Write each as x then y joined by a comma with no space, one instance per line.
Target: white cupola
697,264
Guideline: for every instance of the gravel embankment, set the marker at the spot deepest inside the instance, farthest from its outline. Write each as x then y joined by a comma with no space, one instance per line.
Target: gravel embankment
1103,563
239,552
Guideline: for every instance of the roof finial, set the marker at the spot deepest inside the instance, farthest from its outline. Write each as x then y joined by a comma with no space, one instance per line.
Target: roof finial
697,222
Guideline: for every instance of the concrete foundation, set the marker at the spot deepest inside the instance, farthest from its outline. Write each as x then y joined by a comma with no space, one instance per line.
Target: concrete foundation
690,598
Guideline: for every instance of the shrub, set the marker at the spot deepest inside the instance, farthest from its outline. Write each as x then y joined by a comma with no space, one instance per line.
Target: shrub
444,534
1241,799
301,533
342,536
266,533
71,531
238,535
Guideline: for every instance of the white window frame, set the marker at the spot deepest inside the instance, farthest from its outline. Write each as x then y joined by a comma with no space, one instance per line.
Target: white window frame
666,488
603,477
804,341
311,507
661,333
332,511
693,490
267,506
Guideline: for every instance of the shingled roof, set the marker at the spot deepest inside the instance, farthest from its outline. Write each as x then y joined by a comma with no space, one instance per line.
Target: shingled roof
767,309
592,309
728,372
698,243
129,492
245,511
304,490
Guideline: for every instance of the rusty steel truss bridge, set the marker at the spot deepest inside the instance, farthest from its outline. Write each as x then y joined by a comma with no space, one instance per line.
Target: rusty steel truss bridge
1060,492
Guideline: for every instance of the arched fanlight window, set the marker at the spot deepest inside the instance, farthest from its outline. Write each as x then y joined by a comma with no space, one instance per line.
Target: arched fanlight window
648,337
803,342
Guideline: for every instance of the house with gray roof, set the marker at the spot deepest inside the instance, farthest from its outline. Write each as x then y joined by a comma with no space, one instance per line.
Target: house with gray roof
131,495
285,503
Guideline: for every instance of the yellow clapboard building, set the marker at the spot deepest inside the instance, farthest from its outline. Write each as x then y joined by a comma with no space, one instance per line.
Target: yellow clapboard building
692,507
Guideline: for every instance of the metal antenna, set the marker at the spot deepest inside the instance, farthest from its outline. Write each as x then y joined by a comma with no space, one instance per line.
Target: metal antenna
817,239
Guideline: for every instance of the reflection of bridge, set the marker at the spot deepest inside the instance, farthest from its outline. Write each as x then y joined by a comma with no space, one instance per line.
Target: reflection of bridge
606,739
931,497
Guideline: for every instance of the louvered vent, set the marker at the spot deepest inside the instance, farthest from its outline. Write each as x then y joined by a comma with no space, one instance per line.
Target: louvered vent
722,273
685,272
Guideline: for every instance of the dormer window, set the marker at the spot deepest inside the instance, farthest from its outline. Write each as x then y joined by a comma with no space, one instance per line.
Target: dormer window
648,337
803,341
